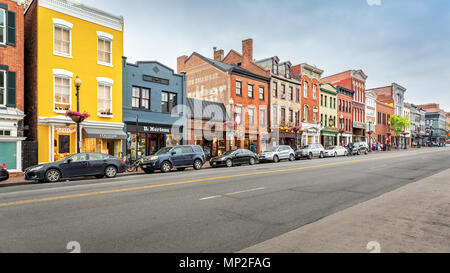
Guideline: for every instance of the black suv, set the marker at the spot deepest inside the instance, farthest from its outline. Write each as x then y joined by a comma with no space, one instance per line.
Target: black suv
359,148
179,157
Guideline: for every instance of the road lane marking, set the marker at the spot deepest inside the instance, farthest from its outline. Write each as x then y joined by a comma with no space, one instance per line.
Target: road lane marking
231,194
89,194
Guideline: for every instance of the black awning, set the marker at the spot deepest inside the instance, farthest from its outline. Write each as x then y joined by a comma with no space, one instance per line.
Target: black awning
104,133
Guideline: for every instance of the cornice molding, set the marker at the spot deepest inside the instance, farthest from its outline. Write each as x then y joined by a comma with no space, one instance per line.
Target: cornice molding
83,12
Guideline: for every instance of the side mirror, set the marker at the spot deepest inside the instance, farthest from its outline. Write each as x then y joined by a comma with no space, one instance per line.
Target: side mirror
173,153
68,161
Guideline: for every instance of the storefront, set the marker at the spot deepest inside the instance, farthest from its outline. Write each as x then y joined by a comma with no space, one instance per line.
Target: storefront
329,137
146,139
11,139
359,132
345,138
311,134
96,137
291,139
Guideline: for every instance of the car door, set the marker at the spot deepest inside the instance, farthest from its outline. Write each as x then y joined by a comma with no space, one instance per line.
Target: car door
282,151
76,166
188,155
97,164
240,157
177,156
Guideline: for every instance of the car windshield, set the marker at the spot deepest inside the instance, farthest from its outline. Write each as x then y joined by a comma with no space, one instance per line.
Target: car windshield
270,149
305,147
163,151
64,159
228,153
331,148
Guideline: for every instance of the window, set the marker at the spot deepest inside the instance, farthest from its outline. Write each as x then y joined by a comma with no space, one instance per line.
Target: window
105,99
239,114
288,72
275,115
305,89
168,102
306,113
251,116
104,54
2,87
262,117
275,90
297,118
283,116
250,91
321,100
283,91
291,93
62,99
62,38
297,91
141,98
2,26
291,115
325,101
64,144
315,92
261,93
238,88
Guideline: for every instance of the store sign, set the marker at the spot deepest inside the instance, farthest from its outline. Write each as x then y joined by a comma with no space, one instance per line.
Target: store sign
359,125
154,129
286,135
65,130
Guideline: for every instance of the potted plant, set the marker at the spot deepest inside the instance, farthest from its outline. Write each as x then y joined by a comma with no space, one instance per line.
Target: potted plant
77,116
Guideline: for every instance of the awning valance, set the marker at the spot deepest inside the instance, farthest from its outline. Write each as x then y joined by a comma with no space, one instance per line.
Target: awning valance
104,133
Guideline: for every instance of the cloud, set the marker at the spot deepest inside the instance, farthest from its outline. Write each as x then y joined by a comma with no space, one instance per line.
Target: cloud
374,2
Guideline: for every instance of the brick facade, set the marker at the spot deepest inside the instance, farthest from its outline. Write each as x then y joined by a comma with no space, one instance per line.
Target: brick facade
384,113
13,56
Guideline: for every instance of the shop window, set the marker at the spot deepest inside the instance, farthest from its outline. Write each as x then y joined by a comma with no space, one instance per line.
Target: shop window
5,133
64,144
2,87
62,93
168,102
105,99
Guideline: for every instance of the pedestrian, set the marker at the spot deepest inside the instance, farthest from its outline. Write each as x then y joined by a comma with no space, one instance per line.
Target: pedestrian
3,166
253,148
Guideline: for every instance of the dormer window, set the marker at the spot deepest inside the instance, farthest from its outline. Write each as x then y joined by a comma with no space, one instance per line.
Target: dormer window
288,71
275,67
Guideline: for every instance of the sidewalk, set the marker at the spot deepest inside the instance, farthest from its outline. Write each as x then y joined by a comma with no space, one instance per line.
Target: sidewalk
412,219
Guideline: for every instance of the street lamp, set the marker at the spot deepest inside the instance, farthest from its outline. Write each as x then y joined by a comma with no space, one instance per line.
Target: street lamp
231,102
77,83
341,118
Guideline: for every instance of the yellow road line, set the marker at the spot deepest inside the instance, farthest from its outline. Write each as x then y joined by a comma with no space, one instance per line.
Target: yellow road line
63,197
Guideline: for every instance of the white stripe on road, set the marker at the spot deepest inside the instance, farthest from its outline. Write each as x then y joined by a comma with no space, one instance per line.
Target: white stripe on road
233,193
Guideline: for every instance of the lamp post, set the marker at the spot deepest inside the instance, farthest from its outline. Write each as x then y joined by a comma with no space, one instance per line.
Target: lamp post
341,118
77,83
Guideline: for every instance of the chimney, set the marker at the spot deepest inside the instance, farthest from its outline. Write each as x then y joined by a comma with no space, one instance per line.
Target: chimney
180,63
247,50
218,55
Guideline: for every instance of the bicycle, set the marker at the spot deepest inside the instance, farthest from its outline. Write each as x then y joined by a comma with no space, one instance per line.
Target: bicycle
133,165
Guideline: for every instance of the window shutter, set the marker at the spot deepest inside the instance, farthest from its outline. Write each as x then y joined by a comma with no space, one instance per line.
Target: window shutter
11,28
11,89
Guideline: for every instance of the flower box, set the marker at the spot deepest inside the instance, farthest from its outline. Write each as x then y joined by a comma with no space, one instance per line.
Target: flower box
77,116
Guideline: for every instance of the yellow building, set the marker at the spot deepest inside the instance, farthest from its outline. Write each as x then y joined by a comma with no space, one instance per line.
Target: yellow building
65,40
328,115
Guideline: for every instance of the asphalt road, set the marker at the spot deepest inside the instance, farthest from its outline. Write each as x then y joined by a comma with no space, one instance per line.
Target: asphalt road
212,210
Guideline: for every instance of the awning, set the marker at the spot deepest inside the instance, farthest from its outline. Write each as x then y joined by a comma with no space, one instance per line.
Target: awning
104,133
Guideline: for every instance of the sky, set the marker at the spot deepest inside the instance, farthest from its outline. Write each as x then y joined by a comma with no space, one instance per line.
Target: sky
401,41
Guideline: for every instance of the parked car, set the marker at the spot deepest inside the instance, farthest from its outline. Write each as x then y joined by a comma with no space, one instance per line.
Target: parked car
310,151
179,157
77,165
234,158
283,152
335,151
359,148
4,174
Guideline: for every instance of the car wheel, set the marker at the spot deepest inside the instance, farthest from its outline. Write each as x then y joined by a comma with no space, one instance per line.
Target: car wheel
198,164
229,163
276,159
149,171
322,155
335,154
99,176
291,158
110,172
310,156
252,161
52,176
166,167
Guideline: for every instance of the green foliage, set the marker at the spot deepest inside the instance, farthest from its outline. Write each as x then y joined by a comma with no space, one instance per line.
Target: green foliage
399,124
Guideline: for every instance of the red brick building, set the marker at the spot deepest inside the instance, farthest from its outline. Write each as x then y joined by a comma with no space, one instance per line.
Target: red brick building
309,76
11,83
244,94
382,128
345,116
354,80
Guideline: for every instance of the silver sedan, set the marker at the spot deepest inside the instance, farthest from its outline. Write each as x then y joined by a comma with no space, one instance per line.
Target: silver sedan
336,151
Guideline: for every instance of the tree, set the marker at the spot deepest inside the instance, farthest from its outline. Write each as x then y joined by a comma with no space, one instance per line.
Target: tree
399,125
